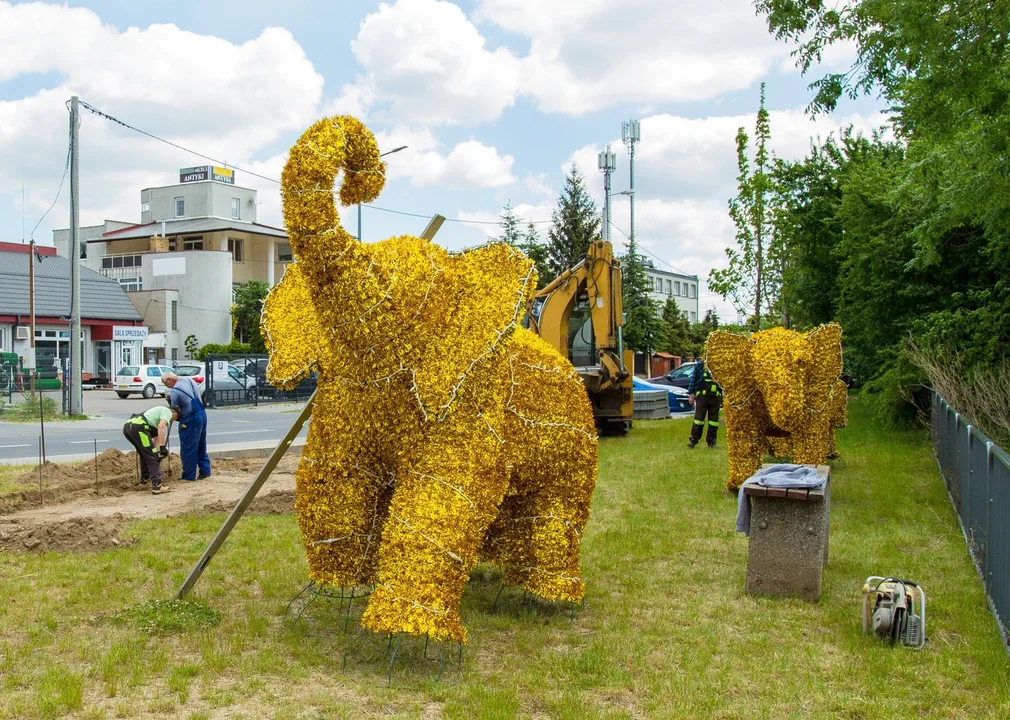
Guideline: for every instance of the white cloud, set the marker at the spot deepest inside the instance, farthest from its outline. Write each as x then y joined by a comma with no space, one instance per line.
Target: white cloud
470,164
526,212
429,63
424,61
158,79
589,54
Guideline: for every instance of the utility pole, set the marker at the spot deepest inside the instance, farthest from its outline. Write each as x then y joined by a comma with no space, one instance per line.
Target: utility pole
31,313
607,163
76,398
631,134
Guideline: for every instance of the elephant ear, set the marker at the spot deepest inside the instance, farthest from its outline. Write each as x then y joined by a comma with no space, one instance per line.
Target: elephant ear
291,328
825,364
729,359
481,296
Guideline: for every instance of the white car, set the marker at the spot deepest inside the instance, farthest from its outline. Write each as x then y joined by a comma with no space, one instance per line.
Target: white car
141,380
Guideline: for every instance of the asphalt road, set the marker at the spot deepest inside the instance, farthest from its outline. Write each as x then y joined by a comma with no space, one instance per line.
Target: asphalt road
227,428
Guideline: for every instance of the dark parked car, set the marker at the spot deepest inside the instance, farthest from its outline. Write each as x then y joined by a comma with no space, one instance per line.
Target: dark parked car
679,377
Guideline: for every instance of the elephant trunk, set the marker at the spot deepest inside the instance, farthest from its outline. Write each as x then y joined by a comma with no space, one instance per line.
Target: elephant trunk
329,147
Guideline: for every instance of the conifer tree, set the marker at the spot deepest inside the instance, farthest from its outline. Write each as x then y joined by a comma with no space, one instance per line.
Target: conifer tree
575,223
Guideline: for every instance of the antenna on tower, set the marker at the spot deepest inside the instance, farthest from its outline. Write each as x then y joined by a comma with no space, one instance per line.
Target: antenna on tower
631,133
607,162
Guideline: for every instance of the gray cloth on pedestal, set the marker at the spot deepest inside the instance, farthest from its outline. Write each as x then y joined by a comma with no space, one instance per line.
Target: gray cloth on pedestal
779,476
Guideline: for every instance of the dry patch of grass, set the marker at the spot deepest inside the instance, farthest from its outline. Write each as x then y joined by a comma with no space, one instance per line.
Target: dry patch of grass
666,630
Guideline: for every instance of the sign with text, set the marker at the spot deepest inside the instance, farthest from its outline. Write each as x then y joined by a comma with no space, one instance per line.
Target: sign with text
207,172
129,332
220,369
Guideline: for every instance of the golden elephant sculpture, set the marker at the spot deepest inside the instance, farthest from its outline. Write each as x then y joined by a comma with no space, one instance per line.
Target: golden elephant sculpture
781,393
443,432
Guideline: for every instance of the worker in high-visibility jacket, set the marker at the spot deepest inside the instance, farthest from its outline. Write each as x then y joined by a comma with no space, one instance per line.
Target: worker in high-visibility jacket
148,433
706,396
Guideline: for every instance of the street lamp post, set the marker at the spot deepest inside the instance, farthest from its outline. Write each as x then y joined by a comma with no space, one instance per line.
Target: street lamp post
388,152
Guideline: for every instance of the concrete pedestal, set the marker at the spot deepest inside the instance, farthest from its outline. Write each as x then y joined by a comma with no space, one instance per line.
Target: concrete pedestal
788,539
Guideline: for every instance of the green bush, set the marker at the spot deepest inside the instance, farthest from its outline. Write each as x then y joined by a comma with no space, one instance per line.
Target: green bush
233,348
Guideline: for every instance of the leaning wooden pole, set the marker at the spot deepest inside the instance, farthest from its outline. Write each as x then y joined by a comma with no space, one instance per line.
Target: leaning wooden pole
246,499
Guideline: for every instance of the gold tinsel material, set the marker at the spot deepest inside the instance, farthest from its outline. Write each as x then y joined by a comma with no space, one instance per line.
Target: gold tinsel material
781,394
443,432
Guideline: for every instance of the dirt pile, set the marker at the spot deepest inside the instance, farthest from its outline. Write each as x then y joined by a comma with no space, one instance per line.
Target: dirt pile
271,503
70,534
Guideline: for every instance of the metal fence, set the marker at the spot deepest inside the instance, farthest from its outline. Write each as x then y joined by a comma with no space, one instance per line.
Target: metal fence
976,472
241,380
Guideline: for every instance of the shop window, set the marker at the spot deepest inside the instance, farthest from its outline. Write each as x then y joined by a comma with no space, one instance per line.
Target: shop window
235,247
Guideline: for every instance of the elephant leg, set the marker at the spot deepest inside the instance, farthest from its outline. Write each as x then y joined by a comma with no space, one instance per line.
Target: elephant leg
745,448
441,507
342,497
811,445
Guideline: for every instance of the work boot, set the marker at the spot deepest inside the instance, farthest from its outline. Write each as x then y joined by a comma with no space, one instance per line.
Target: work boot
160,490
711,445
691,444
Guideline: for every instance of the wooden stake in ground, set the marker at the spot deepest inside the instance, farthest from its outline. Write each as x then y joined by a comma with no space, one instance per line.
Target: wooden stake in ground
247,498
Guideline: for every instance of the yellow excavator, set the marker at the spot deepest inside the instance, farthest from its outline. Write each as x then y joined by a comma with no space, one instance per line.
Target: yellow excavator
581,314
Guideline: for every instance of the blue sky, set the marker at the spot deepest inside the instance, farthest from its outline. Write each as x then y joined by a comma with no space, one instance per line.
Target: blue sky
493,97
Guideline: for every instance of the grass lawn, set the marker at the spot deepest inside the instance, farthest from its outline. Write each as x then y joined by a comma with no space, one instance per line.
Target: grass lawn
666,632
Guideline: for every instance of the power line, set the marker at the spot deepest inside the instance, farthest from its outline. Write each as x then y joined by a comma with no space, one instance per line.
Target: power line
98,112
126,125
648,252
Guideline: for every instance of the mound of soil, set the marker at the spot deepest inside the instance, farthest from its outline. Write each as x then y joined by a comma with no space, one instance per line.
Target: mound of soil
272,503
71,534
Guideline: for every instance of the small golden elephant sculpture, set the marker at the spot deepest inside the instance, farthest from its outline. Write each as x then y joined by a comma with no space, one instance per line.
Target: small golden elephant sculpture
781,393
443,432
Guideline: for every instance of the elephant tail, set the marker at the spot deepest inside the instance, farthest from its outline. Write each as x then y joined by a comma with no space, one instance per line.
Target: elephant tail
334,145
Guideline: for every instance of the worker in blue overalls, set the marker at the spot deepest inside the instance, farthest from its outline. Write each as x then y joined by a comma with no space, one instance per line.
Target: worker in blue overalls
192,426
706,396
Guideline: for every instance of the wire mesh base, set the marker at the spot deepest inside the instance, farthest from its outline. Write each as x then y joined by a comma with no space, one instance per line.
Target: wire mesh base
367,647
321,622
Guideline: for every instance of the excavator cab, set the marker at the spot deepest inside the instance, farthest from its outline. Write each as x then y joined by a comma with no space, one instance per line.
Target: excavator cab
581,339
581,314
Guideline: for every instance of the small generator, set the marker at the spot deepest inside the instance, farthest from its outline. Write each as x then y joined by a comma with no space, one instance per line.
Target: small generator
895,609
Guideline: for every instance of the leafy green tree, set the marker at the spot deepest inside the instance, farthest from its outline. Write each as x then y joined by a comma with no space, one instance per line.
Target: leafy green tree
192,345
678,340
752,278
700,330
246,312
575,223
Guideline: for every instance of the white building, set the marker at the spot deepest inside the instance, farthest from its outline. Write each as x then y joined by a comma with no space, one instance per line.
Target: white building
682,288
195,242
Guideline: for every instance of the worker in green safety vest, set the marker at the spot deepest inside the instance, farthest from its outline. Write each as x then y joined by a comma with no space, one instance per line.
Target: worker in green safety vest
148,433
706,396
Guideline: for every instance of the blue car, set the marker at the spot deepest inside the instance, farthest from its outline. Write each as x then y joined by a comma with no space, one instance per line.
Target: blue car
677,396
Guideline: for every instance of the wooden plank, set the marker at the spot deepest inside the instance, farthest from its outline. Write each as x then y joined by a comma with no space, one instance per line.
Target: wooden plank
755,490
774,492
797,493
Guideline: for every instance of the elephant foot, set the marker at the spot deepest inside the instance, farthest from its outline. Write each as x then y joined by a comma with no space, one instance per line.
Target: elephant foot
550,585
389,612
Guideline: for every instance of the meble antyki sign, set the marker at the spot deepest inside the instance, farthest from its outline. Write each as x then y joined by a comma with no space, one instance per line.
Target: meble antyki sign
207,172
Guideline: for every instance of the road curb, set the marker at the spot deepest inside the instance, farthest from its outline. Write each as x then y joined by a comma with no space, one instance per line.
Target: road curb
229,450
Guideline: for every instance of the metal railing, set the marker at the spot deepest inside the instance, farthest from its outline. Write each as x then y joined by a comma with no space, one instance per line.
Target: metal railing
241,380
976,472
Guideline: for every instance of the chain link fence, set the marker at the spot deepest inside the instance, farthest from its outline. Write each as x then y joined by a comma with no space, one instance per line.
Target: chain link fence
976,472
